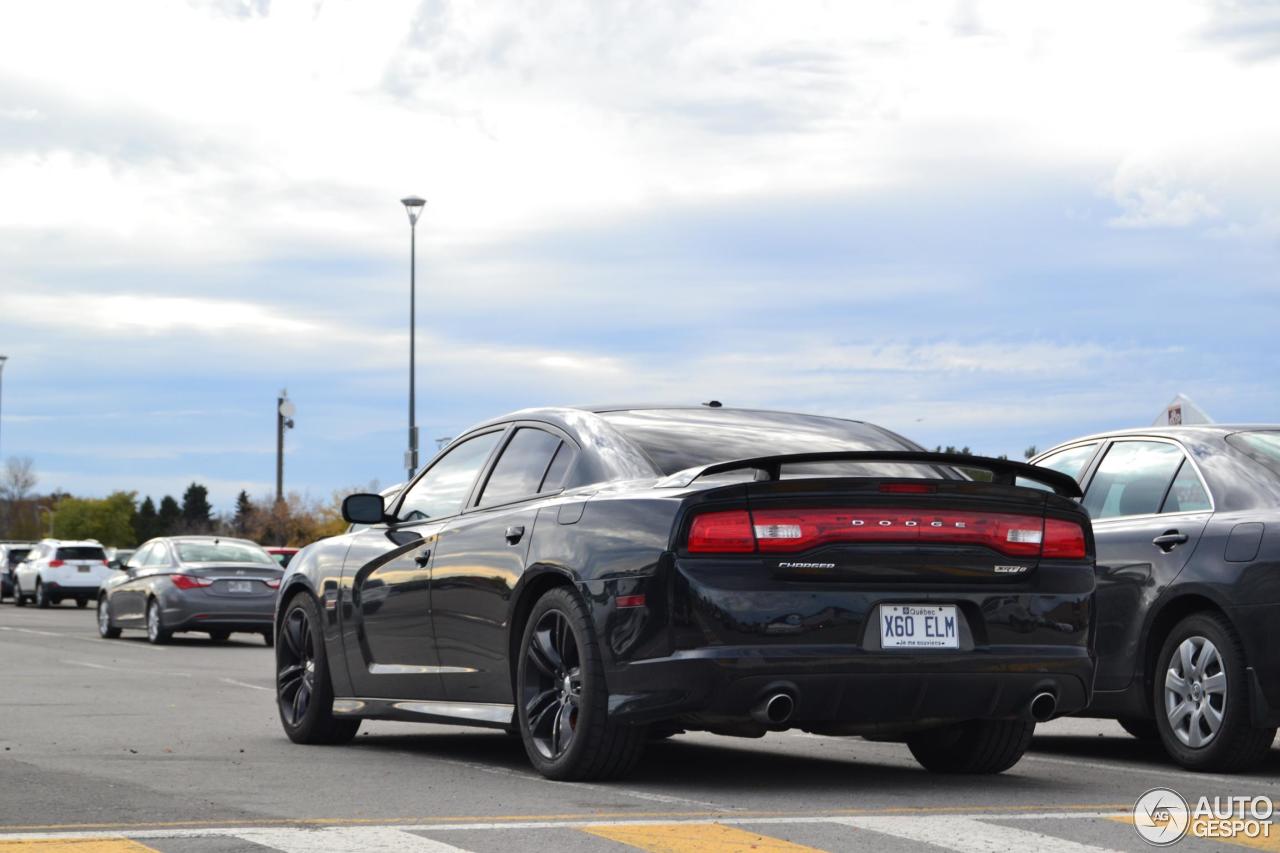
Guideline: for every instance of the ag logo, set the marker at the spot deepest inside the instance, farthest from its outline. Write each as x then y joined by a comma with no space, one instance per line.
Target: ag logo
1161,817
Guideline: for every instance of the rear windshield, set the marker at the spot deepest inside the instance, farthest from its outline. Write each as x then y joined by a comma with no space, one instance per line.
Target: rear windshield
676,439
222,552
81,552
1262,446
17,556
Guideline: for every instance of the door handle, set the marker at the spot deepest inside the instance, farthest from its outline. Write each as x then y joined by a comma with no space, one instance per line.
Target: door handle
1169,540
423,558
514,534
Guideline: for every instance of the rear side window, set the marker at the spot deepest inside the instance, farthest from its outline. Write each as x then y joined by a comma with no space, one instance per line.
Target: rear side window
523,466
1133,479
1070,461
80,552
1187,493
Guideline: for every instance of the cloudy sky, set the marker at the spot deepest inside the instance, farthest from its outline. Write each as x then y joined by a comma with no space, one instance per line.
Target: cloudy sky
993,224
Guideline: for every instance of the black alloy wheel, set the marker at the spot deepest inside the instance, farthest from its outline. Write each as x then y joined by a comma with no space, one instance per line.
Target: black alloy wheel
562,700
304,694
553,685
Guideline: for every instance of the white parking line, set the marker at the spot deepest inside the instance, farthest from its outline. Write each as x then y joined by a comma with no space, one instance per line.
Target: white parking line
345,840
246,684
968,835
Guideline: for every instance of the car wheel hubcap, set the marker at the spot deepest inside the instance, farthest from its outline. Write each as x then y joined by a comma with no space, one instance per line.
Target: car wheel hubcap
296,667
153,622
552,689
1195,692
104,620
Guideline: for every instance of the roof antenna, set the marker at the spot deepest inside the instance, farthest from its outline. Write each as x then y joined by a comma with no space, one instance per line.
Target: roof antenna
713,404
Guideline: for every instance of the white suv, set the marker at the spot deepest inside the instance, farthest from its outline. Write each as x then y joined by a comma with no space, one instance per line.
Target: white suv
58,569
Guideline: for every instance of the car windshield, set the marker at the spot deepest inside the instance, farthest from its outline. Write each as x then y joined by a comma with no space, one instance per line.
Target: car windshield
18,555
1262,446
676,439
81,552
222,552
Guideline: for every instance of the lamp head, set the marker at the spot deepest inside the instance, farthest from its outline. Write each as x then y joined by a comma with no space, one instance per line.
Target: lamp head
413,206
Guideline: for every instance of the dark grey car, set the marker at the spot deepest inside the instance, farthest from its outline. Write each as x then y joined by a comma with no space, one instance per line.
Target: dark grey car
215,585
1187,618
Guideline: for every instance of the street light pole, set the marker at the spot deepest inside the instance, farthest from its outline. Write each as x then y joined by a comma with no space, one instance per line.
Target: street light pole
413,206
285,410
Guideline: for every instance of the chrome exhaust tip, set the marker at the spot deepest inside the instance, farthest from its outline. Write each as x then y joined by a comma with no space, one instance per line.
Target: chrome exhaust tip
1042,707
774,710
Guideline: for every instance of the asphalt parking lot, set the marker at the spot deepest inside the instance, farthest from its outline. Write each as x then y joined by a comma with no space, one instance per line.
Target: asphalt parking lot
123,746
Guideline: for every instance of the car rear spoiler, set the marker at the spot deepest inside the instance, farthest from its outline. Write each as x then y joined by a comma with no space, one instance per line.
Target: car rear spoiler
1003,471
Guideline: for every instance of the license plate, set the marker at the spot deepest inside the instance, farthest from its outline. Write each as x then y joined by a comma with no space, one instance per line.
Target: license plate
83,568
919,626
239,586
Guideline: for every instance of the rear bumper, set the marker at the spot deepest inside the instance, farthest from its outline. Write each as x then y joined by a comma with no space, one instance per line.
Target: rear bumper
205,612
60,591
844,685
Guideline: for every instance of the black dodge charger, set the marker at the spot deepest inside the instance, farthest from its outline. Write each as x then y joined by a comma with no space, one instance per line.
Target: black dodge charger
592,578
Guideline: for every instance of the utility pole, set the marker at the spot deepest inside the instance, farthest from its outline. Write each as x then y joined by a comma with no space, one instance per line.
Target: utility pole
285,410
3,359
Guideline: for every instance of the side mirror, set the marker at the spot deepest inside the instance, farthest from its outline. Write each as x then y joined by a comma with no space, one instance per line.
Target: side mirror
363,509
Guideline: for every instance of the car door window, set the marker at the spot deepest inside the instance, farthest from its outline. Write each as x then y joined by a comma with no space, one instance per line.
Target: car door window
442,490
521,468
1132,479
1187,493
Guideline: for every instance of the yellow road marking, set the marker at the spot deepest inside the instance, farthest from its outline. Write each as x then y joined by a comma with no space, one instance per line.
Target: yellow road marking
1199,829
106,845
695,838
520,818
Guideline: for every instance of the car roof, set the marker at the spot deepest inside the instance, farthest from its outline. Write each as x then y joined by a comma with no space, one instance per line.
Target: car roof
1191,431
72,543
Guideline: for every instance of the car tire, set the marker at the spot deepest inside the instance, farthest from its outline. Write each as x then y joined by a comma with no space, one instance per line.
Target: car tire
219,636
560,682
42,597
268,638
1140,727
304,690
157,634
976,746
82,603
19,600
106,627
1200,680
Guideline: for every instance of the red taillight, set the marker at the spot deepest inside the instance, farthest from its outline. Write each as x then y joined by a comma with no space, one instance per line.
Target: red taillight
274,583
189,581
791,531
908,488
788,530
1063,540
722,533
53,564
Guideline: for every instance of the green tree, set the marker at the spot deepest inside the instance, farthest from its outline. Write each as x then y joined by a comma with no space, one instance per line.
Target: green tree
109,519
196,511
169,517
244,513
145,523
1029,453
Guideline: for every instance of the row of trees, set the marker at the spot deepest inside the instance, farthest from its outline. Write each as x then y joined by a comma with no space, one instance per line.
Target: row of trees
121,520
